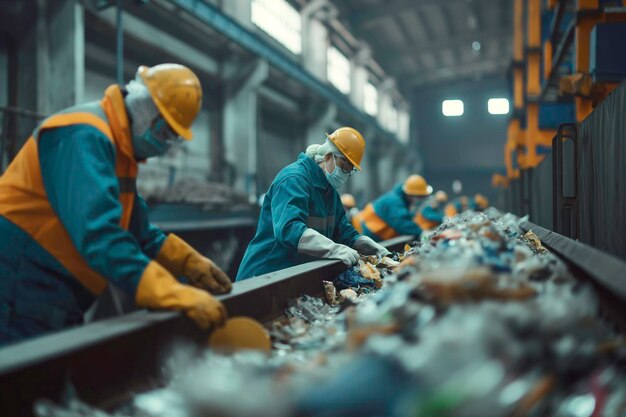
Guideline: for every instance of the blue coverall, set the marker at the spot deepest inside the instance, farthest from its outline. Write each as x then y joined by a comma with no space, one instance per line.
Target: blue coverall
392,208
300,197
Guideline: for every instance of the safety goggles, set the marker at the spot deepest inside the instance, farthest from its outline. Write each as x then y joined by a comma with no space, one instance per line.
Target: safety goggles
164,133
344,165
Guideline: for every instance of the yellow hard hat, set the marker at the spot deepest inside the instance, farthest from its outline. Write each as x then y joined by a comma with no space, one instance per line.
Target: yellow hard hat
348,200
416,185
351,144
177,93
481,201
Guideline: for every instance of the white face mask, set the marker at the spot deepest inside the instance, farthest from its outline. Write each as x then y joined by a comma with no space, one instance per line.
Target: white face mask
337,178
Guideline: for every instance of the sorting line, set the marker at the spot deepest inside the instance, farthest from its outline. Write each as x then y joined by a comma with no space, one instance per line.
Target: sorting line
107,361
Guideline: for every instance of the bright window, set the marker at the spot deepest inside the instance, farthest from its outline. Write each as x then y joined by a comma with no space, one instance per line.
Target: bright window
280,20
498,106
452,108
338,70
370,99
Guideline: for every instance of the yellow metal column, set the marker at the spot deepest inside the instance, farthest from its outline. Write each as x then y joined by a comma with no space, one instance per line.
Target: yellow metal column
584,26
580,83
514,138
533,83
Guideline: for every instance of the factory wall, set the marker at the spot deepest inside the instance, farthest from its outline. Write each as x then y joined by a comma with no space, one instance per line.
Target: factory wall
469,147
254,120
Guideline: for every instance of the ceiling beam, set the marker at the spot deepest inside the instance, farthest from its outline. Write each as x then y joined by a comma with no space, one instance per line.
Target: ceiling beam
386,54
368,15
480,68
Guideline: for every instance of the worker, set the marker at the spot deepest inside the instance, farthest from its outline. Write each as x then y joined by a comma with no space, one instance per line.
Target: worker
456,206
71,220
302,217
391,214
349,205
430,214
479,203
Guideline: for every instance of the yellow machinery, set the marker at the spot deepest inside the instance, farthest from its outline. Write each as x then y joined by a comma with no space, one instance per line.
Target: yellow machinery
525,138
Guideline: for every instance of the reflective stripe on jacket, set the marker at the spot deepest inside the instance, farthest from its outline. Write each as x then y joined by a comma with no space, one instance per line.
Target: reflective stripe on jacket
69,196
388,217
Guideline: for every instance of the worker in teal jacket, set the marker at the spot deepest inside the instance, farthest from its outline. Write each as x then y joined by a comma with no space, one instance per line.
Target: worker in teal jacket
302,218
431,213
71,220
479,203
392,214
456,206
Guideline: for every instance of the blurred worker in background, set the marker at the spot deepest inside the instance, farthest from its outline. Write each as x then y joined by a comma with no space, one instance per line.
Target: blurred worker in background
460,204
456,206
71,220
349,205
430,214
393,213
479,203
302,217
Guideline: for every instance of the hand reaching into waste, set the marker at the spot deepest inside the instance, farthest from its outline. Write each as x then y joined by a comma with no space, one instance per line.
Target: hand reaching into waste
203,273
178,257
160,290
313,243
345,254
367,246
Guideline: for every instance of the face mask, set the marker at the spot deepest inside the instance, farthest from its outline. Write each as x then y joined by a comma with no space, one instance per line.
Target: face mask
337,178
152,142
414,203
147,146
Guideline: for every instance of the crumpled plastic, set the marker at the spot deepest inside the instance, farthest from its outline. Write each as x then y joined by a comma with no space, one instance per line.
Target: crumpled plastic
474,321
351,278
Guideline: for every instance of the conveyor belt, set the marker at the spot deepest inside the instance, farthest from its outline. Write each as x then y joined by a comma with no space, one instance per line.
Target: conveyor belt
606,272
109,360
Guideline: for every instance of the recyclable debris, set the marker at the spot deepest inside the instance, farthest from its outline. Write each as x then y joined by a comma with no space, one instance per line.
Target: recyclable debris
209,195
348,294
478,318
534,242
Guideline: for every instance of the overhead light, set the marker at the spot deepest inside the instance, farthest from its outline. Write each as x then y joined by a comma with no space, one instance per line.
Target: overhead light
452,108
457,187
498,106
476,46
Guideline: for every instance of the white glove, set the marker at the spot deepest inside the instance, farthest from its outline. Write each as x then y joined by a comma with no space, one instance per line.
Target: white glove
315,244
367,246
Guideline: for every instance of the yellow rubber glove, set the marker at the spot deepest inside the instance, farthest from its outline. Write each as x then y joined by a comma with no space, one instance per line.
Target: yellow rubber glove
160,290
178,257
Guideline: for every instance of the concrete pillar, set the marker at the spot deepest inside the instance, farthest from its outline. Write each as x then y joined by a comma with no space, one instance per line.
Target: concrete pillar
359,76
404,122
60,32
315,39
384,100
240,10
321,122
241,123
374,152
48,63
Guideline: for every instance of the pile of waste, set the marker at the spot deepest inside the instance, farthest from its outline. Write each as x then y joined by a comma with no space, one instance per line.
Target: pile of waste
477,318
210,195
